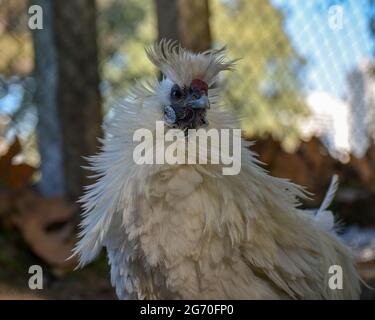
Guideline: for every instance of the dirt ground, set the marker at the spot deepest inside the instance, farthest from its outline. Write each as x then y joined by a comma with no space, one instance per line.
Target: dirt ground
87,288
91,283
15,259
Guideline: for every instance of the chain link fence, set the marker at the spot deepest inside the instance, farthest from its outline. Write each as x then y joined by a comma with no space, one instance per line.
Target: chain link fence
306,69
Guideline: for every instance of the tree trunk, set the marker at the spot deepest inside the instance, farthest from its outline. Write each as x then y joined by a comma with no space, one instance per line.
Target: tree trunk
48,128
167,19
79,101
186,21
194,27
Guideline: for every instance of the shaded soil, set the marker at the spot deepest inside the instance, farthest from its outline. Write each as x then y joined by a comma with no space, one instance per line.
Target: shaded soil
15,259
88,286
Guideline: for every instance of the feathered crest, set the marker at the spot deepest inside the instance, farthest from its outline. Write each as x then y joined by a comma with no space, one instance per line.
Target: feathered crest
182,66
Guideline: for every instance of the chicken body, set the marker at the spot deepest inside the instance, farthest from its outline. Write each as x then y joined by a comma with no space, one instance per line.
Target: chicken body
187,231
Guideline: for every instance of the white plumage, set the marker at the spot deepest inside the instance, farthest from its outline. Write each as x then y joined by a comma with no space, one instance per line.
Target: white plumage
187,231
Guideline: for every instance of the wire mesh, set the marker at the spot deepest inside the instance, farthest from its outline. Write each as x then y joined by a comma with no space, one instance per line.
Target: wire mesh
307,66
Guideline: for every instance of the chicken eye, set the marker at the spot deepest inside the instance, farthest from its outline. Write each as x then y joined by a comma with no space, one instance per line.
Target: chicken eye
176,93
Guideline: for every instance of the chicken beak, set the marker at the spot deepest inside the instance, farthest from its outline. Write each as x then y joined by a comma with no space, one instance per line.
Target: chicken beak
201,103
190,114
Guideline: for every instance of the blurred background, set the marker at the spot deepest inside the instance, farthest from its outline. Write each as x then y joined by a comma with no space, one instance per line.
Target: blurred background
304,89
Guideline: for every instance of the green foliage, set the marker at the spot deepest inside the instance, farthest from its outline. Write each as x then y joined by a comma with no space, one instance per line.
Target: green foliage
265,90
125,28
16,51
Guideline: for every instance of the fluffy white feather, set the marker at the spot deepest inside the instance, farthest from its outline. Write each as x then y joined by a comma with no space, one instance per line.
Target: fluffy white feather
187,231
323,217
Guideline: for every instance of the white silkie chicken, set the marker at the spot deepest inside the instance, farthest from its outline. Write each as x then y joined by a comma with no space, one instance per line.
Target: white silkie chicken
186,231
